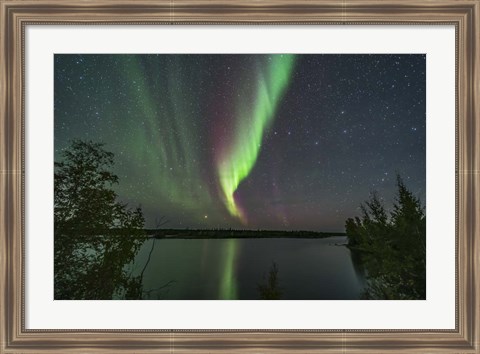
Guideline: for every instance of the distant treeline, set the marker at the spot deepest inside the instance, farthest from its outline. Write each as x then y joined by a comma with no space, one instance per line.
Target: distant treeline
199,233
231,233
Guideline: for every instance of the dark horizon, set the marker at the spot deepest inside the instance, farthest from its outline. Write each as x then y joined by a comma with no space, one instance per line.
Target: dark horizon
249,142
246,230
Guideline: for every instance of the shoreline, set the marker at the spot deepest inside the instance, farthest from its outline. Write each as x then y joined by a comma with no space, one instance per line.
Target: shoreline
186,237
236,234
203,234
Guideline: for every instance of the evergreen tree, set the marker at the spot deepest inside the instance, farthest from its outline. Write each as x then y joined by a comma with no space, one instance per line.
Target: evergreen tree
392,247
270,289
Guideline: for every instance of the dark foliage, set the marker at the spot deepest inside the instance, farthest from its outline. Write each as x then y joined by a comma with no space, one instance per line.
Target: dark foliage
89,259
270,289
392,247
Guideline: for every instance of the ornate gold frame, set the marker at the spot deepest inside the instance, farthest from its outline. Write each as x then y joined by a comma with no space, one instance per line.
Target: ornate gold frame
16,14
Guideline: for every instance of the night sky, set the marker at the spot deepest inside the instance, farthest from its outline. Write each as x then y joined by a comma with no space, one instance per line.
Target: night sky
286,142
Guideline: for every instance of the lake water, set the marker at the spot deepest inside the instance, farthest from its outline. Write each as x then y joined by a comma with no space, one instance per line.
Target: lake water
317,269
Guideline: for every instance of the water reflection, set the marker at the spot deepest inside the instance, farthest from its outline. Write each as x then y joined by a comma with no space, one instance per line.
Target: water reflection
228,286
125,267
233,268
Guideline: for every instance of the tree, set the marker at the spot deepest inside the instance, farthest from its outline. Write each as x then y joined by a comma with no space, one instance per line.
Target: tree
270,290
391,247
95,235
84,198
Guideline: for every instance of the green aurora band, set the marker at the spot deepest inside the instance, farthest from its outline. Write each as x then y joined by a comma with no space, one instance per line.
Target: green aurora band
168,128
251,125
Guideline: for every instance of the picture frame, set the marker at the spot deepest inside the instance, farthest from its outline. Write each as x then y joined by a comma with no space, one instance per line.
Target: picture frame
17,14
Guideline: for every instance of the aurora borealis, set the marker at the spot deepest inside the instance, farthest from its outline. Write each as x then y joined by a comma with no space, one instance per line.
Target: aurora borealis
292,142
253,119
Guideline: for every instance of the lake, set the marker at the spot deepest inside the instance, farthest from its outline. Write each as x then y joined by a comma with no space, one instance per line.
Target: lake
208,269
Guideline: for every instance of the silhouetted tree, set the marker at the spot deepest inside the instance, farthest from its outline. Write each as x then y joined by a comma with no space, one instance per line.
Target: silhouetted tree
270,290
84,198
95,235
392,247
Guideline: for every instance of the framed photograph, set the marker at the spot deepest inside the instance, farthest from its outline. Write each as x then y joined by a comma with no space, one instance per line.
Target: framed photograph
217,176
